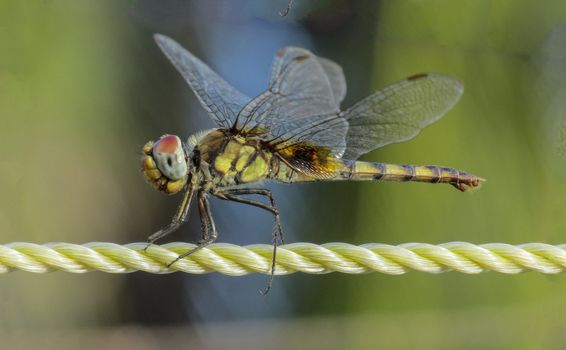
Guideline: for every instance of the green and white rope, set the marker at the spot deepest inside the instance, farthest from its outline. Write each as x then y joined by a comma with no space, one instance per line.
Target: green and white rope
235,260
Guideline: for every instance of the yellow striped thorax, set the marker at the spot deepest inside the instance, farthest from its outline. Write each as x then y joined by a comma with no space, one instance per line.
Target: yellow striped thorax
234,159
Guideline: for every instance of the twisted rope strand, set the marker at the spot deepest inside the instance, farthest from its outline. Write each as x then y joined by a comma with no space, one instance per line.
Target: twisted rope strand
235,260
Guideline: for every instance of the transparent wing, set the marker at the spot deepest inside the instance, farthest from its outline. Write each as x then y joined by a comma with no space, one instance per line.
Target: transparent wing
336,78
399,112
333,71
299,105
219,99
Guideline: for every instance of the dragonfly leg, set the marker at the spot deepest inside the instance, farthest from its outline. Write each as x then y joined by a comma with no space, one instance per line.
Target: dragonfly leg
234,195
272,208
179,219
208,228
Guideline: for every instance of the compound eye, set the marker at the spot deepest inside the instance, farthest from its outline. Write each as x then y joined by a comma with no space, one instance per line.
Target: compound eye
170,157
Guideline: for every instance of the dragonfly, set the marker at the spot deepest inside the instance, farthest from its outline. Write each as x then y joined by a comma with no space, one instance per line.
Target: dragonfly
294,132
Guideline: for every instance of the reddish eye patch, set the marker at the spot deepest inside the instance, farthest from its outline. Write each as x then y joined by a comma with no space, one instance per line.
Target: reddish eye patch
167,144
169,157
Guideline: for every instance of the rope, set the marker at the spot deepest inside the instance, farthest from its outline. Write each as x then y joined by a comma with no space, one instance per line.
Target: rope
305,257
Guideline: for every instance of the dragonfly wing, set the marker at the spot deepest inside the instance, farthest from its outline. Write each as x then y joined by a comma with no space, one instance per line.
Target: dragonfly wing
334,72
399,112
218,98
299,107
336,78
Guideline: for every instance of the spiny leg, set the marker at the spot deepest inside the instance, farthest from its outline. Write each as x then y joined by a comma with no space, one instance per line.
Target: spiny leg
208,228
273,208
179,219
233,194
278,233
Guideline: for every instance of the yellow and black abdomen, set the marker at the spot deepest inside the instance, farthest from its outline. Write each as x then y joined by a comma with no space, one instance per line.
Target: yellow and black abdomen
461,180
350,170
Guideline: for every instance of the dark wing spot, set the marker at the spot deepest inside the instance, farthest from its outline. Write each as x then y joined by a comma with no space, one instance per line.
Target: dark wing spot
301,58
417,76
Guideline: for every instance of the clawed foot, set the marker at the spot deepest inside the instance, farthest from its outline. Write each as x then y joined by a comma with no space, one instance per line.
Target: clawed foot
174,261
146,247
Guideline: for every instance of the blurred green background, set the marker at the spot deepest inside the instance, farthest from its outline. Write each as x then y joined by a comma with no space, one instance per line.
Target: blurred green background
83,87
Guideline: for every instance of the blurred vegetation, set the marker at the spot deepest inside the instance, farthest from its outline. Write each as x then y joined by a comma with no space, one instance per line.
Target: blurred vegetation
82,87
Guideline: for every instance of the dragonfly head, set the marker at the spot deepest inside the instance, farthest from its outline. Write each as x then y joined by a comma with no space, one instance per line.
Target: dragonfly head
164,164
